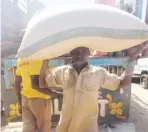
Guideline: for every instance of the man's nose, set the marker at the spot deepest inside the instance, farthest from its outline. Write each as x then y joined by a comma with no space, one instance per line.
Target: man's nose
80,53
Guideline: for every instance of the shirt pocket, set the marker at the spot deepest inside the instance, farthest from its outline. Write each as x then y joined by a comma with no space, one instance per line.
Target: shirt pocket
69,80
91,83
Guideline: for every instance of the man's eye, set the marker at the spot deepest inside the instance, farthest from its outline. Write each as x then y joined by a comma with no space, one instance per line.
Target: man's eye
73,53
82,51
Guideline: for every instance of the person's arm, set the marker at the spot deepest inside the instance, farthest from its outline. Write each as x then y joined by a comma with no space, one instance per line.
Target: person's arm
35,85
113,82
17,87
54,78
132,59
44,69
126,77
108,80
50,77
34,70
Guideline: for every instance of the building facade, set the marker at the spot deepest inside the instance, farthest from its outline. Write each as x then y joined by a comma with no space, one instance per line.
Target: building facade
12,22
138,7
15,16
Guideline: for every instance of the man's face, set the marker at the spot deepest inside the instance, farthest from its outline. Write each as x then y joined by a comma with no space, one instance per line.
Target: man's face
80,55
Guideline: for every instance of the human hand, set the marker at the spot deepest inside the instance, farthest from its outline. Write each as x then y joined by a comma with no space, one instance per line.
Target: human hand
56,95
135,51
45,62
43,71
20,108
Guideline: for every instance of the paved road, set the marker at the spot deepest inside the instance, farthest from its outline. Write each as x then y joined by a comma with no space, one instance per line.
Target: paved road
139,108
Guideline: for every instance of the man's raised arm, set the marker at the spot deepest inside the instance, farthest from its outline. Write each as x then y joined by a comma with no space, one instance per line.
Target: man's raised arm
43,71
133,54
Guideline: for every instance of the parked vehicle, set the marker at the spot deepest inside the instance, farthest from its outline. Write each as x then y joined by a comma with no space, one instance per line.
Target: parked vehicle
141,71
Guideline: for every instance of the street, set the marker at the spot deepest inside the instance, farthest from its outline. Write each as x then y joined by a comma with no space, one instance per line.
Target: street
139,108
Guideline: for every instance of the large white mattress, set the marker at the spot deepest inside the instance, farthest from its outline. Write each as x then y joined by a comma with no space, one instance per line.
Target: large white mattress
53,32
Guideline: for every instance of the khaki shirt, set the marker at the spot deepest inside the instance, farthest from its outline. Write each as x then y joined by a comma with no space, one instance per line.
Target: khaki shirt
90,79
80,101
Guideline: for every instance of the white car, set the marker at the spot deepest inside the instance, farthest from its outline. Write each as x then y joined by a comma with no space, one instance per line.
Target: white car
141,71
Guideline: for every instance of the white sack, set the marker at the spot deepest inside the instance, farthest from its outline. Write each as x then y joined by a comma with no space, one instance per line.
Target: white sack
53,32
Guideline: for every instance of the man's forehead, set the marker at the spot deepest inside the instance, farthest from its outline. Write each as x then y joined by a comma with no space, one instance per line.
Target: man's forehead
81,48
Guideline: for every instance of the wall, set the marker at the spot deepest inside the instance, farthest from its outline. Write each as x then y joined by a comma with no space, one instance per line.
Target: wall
146,17
144,9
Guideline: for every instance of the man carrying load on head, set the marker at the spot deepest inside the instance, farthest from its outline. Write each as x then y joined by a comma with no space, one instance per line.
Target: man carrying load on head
81,82
34,103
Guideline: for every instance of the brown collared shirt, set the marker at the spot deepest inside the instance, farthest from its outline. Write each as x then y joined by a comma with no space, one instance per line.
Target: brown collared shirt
80,101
